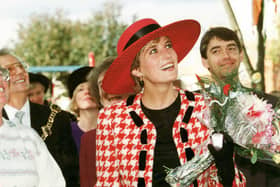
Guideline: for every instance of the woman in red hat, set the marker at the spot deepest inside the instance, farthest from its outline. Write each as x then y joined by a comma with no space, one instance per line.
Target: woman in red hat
158,127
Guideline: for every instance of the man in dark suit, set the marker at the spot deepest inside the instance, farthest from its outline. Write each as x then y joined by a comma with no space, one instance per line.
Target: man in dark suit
222,54
52,124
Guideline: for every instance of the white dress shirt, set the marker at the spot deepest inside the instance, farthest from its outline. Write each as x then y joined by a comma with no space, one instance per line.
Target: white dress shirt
11,111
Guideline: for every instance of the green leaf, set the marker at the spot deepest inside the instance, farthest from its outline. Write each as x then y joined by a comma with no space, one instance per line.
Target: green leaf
254,156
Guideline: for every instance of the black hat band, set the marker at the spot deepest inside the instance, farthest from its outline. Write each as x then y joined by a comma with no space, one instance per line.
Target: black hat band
142,32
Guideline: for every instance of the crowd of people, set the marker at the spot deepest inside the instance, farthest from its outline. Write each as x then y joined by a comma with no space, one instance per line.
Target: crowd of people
128,118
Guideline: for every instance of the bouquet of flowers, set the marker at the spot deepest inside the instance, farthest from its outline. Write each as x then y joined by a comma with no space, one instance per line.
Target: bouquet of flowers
251,122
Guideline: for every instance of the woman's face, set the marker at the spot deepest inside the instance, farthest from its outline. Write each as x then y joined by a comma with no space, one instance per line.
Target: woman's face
83,98
158,62
36,93
105,98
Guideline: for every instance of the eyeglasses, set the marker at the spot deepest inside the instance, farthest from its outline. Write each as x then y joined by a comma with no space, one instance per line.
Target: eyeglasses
17,65
4,74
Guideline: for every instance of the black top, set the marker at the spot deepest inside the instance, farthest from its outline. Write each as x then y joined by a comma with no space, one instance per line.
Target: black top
165,153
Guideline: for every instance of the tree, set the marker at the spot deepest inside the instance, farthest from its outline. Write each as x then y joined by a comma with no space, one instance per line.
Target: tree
57,40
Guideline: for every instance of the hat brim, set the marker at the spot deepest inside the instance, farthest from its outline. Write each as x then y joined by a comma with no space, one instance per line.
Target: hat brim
183,35
77,77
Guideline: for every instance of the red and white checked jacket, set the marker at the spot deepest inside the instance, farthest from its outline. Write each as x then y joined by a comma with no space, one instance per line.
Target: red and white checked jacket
121,128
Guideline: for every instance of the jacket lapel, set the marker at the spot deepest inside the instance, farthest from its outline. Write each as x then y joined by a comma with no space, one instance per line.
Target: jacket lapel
4,114
36,117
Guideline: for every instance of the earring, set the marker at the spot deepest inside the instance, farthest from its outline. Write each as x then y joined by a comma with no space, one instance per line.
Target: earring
141,82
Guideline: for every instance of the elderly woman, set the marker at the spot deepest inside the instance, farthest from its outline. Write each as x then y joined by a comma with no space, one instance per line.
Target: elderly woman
24,157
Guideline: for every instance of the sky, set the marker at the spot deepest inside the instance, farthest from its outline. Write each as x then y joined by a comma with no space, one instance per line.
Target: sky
208,12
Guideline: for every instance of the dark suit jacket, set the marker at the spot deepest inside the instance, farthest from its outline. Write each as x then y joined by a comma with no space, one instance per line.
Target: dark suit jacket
60,144
88,159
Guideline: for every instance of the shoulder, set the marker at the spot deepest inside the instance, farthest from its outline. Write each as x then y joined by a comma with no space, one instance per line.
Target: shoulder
114,113
191,95
111,109
89,135
52,107
194,99
271,99
65,115
39,108
46,112
20,131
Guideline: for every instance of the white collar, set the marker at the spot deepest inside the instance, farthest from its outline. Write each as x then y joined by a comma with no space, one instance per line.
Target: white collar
11,111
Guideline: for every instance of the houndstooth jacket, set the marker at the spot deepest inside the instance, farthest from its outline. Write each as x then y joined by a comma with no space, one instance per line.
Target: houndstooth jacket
126,140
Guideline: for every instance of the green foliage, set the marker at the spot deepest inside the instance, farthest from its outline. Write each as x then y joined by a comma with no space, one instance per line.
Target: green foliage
58,40
253,154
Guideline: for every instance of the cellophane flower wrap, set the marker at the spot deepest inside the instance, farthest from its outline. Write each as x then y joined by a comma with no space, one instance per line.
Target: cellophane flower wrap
251,122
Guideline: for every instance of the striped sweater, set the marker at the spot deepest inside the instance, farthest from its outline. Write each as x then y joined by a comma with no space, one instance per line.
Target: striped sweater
25,160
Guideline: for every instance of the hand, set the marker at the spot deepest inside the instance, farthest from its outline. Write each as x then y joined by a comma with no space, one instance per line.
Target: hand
224,160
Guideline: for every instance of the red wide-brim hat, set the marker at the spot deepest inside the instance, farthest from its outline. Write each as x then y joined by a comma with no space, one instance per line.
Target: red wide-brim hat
183,35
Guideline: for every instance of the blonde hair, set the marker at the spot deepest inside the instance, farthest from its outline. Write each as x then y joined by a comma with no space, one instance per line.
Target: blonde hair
136,64
93,78
73,103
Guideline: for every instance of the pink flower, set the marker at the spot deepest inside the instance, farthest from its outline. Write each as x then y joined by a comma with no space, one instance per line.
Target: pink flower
257,138
252,113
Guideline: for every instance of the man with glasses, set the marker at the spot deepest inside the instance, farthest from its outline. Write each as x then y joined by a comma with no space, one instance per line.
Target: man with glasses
52,124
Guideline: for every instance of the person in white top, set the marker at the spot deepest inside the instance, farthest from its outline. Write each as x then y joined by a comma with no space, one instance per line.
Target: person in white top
50,122
24,158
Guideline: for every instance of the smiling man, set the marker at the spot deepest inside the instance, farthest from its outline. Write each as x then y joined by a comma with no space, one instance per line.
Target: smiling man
57,135
222,54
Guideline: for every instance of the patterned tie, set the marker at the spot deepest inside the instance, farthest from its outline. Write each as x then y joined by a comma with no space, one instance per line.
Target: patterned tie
19,116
